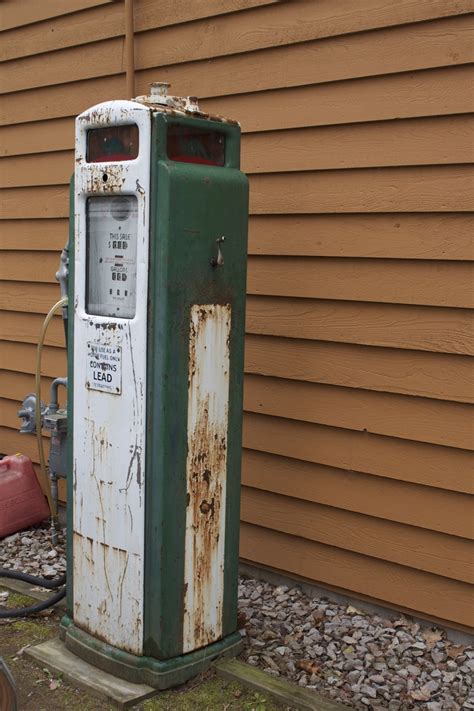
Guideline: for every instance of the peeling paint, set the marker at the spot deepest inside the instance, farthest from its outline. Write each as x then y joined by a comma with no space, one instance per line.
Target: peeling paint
109,428
99,179
99,610
206,468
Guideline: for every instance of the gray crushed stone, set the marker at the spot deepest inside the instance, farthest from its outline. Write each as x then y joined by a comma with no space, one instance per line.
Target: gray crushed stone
362,660
31,551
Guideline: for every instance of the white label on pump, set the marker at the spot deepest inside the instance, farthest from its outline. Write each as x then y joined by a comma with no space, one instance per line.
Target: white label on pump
104,368
112,255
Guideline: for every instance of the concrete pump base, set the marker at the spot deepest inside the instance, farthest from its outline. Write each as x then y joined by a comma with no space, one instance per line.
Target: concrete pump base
54,656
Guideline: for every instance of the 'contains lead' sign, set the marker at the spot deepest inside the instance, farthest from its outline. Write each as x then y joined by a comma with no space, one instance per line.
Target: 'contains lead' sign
104,368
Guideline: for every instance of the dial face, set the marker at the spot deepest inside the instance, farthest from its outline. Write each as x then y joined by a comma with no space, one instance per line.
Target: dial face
111,256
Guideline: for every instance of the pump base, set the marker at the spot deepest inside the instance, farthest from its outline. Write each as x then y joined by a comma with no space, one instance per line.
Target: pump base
158,673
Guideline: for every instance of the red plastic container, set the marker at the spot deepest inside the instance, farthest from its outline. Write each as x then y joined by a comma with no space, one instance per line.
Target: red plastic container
22,503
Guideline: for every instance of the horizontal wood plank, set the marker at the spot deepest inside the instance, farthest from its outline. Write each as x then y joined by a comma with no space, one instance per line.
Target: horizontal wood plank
430,465
25,328
34,298
12,442
434,595
390,281
57,32
412,327
422,141
436,92
429,375
430,92
414,189
37,169
439,376
31,235
419,419
38,202
21,358
412,504
441,236
445,140
406,327
228,34
369,536
389,457
28,267
410,546
14,387
410,418
432,329
61,100
37,137
420,189
412,47
33,11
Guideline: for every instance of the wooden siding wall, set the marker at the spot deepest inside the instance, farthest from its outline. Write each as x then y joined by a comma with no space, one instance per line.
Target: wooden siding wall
357,470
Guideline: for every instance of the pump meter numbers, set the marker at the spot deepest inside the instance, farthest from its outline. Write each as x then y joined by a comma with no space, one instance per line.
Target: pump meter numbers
111,245
104,368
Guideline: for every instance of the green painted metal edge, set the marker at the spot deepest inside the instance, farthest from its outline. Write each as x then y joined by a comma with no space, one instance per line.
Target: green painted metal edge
173,259
70,407
284,691
160,674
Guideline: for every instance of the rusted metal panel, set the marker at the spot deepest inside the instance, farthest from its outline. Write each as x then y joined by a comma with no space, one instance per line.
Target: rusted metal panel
110,614
206,465
109,426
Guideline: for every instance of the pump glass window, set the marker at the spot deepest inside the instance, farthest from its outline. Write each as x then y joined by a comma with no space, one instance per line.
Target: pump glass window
111,276
188,144
114,143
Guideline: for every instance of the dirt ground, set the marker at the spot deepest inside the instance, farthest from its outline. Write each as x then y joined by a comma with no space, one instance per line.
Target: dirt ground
39,690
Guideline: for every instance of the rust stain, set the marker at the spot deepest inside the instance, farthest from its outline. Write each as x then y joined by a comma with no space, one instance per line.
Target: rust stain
88,553
180,110
207,459
99,180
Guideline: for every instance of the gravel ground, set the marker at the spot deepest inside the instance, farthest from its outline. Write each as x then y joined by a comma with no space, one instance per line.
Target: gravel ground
362,660
31,552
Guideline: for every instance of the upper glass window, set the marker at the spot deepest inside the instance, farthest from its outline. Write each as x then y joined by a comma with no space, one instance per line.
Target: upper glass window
188,144
113,143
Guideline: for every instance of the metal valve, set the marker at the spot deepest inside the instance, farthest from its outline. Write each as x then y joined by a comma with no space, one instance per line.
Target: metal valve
28,413
219,260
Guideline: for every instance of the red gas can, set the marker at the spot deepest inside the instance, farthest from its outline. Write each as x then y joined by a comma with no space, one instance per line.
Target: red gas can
22,502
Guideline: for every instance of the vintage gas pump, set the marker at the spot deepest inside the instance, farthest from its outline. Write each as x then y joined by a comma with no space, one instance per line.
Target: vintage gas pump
156,326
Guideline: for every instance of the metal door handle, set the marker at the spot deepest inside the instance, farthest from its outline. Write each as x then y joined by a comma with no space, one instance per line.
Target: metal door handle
219,260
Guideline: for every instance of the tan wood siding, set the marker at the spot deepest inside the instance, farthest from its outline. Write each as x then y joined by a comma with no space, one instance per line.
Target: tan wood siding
356,280
418,462
425,507
425,374
377,538
357,137
401,585
396,49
